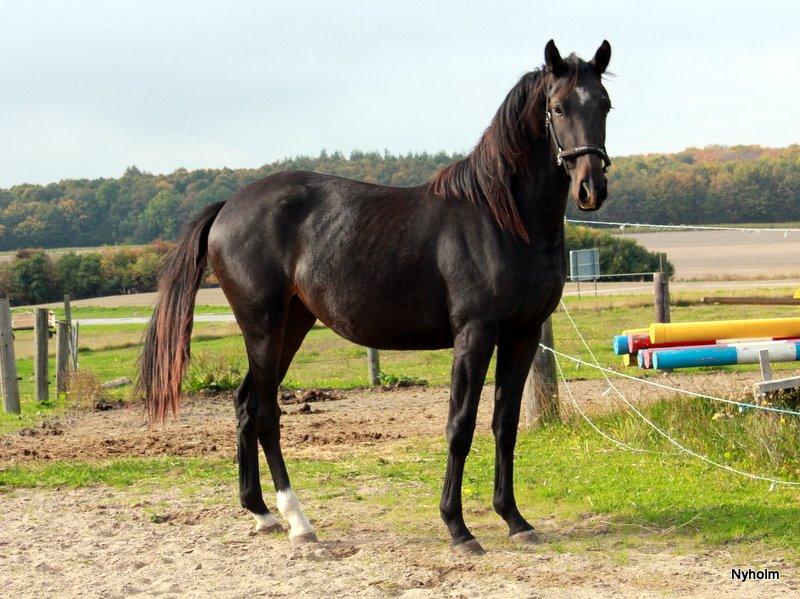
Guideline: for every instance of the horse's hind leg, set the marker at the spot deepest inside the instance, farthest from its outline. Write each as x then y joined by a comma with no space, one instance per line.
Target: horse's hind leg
250,494
514,357
298,322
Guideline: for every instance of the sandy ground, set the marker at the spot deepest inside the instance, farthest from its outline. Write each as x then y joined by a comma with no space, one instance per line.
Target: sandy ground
101,542
97,542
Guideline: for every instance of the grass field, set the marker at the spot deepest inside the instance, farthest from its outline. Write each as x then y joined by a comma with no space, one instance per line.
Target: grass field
328,361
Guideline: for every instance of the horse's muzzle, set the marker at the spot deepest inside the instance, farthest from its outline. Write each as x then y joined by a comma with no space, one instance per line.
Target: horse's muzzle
590,192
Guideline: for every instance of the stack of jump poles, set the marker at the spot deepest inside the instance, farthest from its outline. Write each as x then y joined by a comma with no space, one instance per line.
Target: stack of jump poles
667,346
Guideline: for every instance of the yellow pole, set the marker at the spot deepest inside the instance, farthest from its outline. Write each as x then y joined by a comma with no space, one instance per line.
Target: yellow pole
724,329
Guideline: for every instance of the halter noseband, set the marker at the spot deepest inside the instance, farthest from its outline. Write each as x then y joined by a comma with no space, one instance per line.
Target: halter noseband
562,154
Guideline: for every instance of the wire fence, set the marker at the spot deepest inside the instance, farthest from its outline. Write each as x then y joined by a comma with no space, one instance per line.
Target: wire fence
670,227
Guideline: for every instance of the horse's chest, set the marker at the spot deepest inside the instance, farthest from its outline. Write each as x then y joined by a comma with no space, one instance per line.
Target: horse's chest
536,295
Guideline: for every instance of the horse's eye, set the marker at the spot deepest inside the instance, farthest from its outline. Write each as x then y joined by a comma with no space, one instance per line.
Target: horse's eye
558,109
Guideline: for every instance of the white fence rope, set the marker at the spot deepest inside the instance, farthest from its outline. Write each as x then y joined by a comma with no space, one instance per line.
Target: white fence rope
750,475
623,225
668,387
616,442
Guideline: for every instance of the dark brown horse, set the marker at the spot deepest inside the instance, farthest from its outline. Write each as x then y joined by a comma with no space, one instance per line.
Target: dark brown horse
472,260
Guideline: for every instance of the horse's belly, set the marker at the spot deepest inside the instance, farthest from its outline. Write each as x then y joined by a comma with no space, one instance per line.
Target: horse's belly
394,319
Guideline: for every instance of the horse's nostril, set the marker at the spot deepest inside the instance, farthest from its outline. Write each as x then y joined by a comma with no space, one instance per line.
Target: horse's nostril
583,192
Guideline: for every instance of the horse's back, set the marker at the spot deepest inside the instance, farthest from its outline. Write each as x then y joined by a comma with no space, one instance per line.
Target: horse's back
361,257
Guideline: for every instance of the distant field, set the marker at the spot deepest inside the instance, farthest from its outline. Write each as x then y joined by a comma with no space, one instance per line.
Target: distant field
716,255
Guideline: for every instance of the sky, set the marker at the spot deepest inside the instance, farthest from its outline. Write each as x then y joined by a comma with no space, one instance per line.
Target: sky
90,88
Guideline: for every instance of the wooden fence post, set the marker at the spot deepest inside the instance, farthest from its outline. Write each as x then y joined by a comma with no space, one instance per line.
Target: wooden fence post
68,318
62,356
540,395
68,308
661,292
374,367
41,334
73,339
8,364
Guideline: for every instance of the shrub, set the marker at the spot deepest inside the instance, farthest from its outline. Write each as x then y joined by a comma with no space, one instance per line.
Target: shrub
34,277
618,255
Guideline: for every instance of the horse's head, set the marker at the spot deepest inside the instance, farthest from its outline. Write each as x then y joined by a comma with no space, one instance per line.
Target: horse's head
577,105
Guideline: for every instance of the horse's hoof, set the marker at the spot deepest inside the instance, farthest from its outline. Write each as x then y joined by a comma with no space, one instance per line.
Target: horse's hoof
269,529
267,524
526,537
471,547
306,537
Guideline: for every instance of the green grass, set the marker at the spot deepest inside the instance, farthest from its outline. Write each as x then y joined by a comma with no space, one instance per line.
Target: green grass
565,471
328,361
122,311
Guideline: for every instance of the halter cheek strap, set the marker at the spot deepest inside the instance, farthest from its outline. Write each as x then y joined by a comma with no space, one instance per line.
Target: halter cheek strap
562,154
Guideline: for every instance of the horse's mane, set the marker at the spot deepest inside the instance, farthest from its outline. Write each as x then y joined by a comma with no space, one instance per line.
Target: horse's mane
504,150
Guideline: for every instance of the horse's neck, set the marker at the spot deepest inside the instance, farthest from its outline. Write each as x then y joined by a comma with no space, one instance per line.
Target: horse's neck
542,196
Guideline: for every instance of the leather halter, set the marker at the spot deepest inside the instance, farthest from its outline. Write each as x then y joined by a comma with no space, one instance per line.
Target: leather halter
562,155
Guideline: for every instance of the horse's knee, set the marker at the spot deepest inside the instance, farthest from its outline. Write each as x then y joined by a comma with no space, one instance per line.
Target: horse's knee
459,436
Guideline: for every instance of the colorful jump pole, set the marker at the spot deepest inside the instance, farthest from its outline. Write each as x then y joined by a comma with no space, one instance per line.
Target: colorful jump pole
620,345
620,342
638,343
725,329
724,355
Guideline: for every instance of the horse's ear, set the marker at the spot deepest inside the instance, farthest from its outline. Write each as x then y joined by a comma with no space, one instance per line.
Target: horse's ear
601,58
552,59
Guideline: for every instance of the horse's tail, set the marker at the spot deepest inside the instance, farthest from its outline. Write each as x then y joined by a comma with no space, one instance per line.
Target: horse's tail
165,351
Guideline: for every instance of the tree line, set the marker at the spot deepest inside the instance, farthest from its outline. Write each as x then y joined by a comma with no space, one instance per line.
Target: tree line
38,277
711,185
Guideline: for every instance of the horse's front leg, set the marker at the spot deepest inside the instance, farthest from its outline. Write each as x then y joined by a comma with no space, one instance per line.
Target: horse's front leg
473,348
514,358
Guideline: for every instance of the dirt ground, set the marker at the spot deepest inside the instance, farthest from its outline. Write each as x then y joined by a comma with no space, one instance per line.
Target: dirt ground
320,429
103,542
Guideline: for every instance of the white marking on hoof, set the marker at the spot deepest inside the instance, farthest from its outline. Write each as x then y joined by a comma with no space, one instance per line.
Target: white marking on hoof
300,528
267,523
